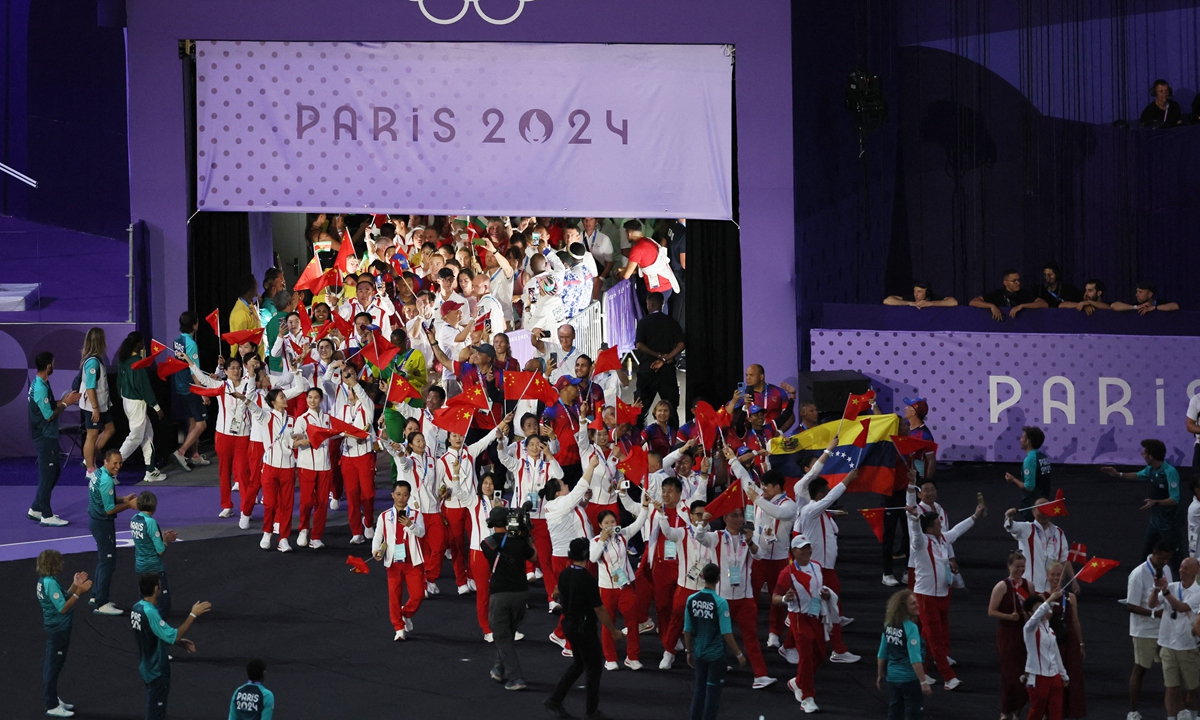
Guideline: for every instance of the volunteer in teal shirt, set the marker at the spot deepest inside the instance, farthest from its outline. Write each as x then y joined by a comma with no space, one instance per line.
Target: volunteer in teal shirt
1167,519
707,632
149,543
153,635
252,701
899,660
56,616
1035,471
43,426
103,506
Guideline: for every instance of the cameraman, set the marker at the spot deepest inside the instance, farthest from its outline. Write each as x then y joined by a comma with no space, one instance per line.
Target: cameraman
506,554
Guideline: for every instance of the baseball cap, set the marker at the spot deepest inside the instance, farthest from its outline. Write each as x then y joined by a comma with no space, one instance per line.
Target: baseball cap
800,541
919,405
755,409
498,517
566,380
486,349
450,306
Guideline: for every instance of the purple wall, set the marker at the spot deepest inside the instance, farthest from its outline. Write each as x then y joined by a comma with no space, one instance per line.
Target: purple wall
760,30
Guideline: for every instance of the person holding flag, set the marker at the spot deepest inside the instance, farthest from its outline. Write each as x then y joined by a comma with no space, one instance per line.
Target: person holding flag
409,366
279,467
1065,621
1041,541
658,570
566,421
610,553
931,547
232,440
774,515
397,543
354,412
1044,670
489,498
696,550
259,438
417,465
607,478
312,440
532,466
137,398
927,502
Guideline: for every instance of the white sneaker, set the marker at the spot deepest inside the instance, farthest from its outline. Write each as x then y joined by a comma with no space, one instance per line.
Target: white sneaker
237,487
518,636
1183,715
487,637
845,658
52,521
155,476
847,622
199,460
333,503
773,640
471,585
566,652
181,461
464,589
808,705
952,684
792,655
1134,715
244,522
408,624
611,665
951,661
667,661
369,533
60,711
275,528
400,635
357,540
284,545
763,681
904,577
890,580
302,539
66,705
316,544
679,645
645,627
561,642
930,681
528,576
432,588
225,513
633,664
554,607
108,609
795,688
265,543
37,515
537,574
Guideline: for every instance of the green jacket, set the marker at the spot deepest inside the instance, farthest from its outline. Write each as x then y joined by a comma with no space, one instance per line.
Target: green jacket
135,384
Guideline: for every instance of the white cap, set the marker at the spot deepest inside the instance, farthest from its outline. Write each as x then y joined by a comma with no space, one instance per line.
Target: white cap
800,541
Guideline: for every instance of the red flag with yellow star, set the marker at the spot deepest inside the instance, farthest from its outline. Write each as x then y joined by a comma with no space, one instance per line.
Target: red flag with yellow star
1056,507
454,419
472,396
1095,568
874,518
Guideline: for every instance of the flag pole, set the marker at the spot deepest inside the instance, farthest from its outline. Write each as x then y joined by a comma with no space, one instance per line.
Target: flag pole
1034,507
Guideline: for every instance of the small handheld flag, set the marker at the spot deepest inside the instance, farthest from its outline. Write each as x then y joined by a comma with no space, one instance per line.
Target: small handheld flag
156,347
143,363
169,367
732,499
606,360
237,337
454,419
855,404
874,518
1094,569
1077,553
636,465
206,391
214,321
358,565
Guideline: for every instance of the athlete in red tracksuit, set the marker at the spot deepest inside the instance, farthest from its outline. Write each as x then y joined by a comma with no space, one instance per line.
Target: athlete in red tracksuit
416,464
531,465
736,551
659,569
456,470
611,555
397,542
693,554
358,459
800,588
279,468
481,572
316,474
233,431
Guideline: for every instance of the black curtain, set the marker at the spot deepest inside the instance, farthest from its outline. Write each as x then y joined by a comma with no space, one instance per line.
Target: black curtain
714,305
220,249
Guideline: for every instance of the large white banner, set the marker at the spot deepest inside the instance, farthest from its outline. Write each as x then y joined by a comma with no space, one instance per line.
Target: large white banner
472,128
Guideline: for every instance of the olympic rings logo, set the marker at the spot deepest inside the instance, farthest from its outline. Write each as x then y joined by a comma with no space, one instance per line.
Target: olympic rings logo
466,6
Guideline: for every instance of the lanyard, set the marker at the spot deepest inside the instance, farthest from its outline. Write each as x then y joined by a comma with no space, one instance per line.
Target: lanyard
570,420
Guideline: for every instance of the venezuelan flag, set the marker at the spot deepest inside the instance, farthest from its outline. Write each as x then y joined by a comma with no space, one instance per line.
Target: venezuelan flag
874,455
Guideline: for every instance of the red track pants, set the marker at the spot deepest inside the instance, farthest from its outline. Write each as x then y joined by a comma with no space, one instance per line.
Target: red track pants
545,549
399,575
457,527
433,545
625,601
809,637
254,466
279,493
314,500
744,613
232,465
935,626
657,583
359,476
1046,698
481,573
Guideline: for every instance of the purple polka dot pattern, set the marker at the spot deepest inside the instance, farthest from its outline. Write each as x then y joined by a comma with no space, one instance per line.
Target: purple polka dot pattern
314,126
1096,397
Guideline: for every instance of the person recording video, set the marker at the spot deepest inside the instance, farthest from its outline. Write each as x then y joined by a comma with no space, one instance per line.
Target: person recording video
507,549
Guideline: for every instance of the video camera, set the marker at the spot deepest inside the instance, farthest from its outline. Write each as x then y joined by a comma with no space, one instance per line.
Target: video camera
518,524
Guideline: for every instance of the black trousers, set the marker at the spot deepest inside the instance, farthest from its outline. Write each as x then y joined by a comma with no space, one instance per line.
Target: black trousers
892,518
589,658
662,382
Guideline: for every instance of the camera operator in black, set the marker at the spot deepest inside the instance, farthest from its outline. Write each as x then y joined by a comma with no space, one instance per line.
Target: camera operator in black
507,549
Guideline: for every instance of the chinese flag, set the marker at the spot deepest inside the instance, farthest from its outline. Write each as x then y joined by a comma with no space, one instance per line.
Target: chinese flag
207,391
143,363
358,565
400,390
860,441
607,360
313,280
345,427
517,384
597,423
635,466
318,435
909,446
454,419
305,321
237,337
626,414
732,499
156,347
380,352
541,389
472,396
707,423
1095,568
1077,553
169,367
857,403
874,517
1054,508
345,252
214,321
342,325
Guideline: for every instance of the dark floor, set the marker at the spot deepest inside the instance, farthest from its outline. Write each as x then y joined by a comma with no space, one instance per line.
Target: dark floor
327,641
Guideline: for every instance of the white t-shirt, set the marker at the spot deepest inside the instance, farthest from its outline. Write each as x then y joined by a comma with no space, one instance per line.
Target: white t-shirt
1193,412
1176,632
502,290
1193,527
600,246
1141,584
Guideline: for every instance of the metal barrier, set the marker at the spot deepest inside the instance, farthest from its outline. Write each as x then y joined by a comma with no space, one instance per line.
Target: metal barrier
612,320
